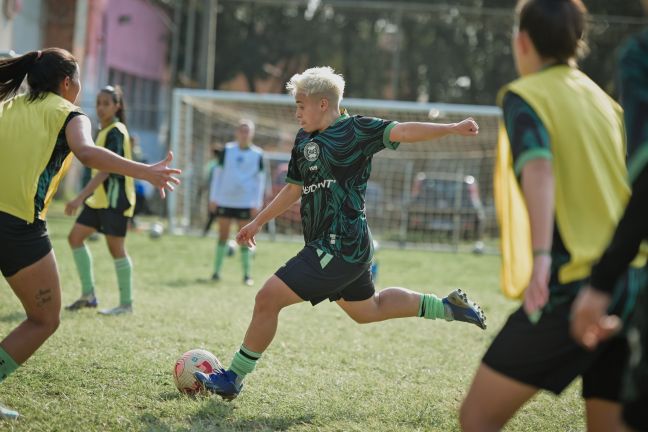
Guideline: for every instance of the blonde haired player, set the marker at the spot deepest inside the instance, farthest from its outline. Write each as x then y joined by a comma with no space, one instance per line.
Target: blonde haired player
329,169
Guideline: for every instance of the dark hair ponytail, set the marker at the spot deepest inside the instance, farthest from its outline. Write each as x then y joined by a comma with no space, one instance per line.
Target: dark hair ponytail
13,72
556,27
45,70
118,97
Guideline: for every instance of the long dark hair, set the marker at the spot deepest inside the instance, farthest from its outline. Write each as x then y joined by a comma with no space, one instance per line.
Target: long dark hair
556,27
118,97
45,70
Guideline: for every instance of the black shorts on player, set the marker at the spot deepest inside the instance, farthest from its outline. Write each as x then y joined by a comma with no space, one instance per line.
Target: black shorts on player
106,221
21,243
315,276
545,356
234,213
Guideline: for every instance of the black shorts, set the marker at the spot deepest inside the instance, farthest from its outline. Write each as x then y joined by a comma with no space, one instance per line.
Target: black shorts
545,356
315,276
107,221
635,397
234,213
21,243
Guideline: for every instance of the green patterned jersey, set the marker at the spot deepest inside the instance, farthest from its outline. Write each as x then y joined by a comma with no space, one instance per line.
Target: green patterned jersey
333,167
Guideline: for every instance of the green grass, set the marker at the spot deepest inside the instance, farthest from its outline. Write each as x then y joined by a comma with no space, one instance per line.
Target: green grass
322,373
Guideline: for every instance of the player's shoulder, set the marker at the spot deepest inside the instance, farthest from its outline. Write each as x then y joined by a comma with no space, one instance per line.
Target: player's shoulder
365,121
256,149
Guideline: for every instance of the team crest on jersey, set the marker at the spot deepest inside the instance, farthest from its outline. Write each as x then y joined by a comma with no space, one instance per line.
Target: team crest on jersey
311,151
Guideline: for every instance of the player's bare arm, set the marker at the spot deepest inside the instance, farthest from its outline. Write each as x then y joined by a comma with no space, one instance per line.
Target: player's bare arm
417,131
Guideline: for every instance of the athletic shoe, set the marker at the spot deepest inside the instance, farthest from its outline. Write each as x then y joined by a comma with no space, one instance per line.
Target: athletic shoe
215,277
247,280
119,310
8,414
220,382
459,308
83,302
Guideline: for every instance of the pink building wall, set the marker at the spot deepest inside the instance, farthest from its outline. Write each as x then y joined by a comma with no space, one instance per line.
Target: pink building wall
136,38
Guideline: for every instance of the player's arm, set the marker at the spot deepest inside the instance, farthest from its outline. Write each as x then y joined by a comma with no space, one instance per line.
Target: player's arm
416,131
80,141
282,202
590,322
532,158
72,206
538,190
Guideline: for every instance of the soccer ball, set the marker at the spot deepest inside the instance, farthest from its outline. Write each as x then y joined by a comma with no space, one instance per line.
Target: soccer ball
195,360
156,231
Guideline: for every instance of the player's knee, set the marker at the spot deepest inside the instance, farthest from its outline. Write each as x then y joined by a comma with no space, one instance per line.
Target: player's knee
362,316
362,319
74,240
266,300
48,323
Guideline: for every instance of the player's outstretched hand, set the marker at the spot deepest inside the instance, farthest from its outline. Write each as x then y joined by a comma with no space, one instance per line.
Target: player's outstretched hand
245,237
72,206
467,127
161,176
590,323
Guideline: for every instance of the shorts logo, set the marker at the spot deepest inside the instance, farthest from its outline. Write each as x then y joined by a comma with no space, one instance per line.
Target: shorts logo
311,151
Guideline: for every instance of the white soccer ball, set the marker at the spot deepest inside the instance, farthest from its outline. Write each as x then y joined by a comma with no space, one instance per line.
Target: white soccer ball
156,230
195,360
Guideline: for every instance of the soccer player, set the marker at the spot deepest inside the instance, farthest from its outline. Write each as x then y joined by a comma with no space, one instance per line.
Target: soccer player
236,193
38,131
109,206
590,320
329,169
560,189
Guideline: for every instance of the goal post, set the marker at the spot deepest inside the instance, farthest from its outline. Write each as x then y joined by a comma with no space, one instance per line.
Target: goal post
430,193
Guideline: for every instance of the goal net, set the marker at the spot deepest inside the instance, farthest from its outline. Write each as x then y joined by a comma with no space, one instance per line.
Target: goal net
436,193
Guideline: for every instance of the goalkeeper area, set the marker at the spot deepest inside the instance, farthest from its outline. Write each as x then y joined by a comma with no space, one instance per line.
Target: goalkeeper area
435,194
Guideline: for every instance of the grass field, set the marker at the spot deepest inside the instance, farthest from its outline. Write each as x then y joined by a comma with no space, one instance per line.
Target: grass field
322,373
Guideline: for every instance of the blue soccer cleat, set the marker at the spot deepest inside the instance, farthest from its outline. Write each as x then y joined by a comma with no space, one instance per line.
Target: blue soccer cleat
220,382
83,302
459,308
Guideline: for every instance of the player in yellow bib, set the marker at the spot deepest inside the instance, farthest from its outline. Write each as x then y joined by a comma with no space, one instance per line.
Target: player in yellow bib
109,206
38,132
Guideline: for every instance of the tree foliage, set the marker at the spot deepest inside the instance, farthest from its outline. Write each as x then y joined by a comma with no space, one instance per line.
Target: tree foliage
451,51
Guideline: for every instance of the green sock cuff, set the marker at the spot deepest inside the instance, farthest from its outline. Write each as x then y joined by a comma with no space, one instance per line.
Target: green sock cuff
431,307
7,365
249,352
123,262
242,365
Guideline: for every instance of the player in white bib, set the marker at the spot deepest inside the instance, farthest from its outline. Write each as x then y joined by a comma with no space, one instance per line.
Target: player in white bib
236,192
